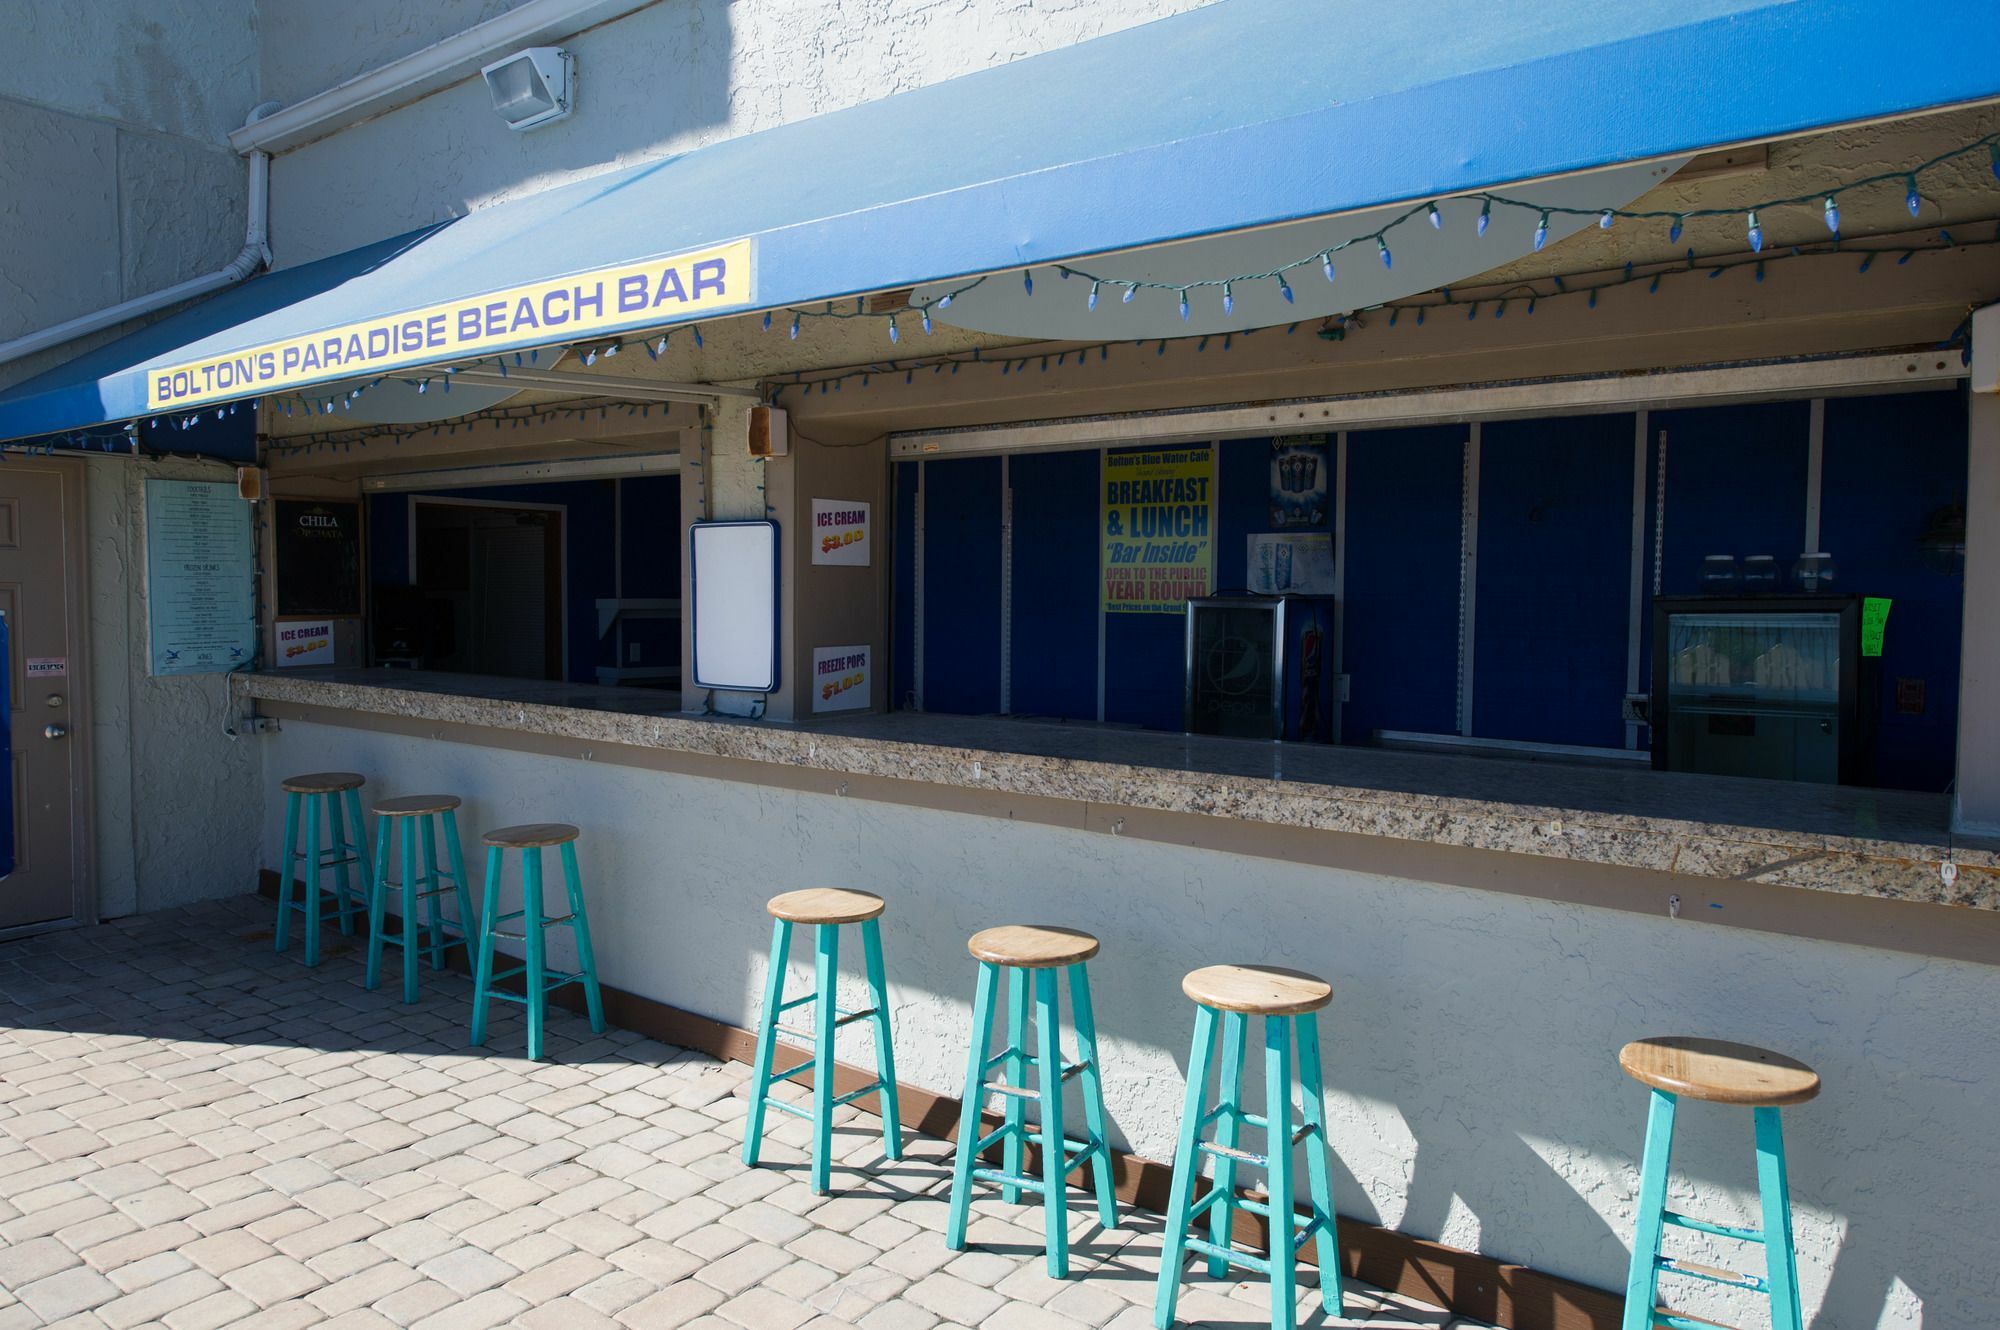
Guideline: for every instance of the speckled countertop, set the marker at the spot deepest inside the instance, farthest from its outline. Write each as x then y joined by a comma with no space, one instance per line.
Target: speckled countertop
1886,843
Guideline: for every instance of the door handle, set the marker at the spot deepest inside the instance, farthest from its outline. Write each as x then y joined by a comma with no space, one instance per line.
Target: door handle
55,731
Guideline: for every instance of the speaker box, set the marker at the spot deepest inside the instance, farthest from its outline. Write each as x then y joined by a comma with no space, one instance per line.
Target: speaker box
768,435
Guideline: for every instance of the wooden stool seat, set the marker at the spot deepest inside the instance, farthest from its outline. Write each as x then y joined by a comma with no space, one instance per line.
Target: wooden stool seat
825,905
531,835
1257,990
323,782
1032,946
416,805
1719,1071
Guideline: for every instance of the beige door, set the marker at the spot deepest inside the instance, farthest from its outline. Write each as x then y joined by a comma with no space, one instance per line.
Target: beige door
41,515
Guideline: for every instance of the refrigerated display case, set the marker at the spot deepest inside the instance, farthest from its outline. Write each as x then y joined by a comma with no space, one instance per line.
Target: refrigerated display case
1261,667
1771,686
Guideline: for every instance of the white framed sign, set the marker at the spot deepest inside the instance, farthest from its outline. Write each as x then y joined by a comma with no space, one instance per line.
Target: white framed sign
842,679
733,571
200,594
304,643
840,534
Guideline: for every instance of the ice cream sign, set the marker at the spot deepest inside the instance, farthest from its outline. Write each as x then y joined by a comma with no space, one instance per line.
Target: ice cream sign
840,532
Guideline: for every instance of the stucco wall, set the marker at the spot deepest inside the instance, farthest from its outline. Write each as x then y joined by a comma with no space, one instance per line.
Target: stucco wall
176,802
1470,1051
668,78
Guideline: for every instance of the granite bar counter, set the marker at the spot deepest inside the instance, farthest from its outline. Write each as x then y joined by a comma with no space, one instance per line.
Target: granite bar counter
1877,843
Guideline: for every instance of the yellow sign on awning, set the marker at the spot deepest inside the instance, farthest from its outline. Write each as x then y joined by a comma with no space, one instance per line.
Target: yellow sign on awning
632,295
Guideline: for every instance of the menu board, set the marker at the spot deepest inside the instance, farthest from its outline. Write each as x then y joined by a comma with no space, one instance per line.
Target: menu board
318,555
200,595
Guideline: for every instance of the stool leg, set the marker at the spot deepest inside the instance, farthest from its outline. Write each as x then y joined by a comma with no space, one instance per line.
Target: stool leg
378,891
1173,1251
285,871
826,973
336,839
1781,1260
1015,1110
1327,1238
353,798
885,1049
482,974
411,929
433,907
1278,1176
312,867
1093,1094
455,853
969,1106
1055,1188
1642,1283
536,973
767,1039
593,996
1229,1097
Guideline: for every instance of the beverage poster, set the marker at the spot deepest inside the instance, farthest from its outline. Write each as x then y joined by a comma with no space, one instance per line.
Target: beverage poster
1159,529
1299,476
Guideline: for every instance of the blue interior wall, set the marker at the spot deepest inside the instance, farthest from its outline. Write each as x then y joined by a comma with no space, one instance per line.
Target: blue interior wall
962,585
1056,594
1736,484
1888,464
1401,617
1555,527
651,543
589,572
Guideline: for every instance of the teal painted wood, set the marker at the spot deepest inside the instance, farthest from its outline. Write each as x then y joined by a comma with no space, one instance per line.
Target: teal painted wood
970,1104
1229,1097
311,864
1049,1066
1093,1094
355,848
1015,1070
826,947
377,900
1278,1173
423,931
286,890
1642,1282
767,1039
433,909
468,923
1173,1254
532,914
885,1045
410,888
579,927
1774,1188
489,910
1313,1109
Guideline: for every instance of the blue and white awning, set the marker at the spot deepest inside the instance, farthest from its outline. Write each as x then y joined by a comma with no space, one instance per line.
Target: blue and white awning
1240,114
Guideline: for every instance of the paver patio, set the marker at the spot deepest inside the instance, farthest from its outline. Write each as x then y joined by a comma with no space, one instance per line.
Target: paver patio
196,1133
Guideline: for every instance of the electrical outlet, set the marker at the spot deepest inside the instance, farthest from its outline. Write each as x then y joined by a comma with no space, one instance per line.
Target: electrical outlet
258,725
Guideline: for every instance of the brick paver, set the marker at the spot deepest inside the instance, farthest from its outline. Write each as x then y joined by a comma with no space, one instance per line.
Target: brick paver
199,1134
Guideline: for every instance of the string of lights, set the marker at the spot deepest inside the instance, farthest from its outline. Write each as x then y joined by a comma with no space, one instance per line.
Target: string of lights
498,418
1525,296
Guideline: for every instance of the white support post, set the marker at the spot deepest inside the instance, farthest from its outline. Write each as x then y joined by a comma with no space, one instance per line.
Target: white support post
1976,809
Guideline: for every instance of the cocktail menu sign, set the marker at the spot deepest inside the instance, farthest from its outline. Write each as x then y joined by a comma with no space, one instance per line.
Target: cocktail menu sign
199,589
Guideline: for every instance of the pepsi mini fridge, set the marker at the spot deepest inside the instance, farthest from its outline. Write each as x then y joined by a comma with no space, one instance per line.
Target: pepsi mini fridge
1261,667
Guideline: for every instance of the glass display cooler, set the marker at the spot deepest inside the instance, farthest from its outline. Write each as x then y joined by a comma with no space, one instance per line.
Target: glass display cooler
1261,667
1771,686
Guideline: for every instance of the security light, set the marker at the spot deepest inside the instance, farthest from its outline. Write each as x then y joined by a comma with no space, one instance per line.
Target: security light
532,87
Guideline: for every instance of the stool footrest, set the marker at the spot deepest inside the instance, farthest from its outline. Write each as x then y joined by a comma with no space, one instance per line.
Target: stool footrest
1231,1152
1671,1265
853,1095
1231,1254
790,1072
1002,1178
1719,1230
424,946
798,1002
840,1019
1676,1321
523,937
1263,1208
793,1109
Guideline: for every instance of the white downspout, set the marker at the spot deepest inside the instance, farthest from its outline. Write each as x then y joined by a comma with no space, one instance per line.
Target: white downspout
255,254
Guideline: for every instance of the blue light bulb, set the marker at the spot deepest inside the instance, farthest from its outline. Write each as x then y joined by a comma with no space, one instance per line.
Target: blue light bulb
1326,266
795,327
1028,282
1913,200
697,334
1604,220
767,320
1130,291
1093,296
1228,300
1832,215
1674,231
1485,215
1437,222
927,319
1382,247
1756,235
1285,290
944,301
1542,231
1184,305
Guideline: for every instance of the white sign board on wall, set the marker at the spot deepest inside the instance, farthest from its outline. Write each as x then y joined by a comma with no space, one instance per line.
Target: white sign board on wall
842,679
200,594
734,574
840,533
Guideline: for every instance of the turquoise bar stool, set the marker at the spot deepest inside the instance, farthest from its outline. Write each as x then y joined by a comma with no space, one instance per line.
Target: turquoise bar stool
1721,1073
826,909
1289,1002
537,980
337,796
417,815
1025,951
